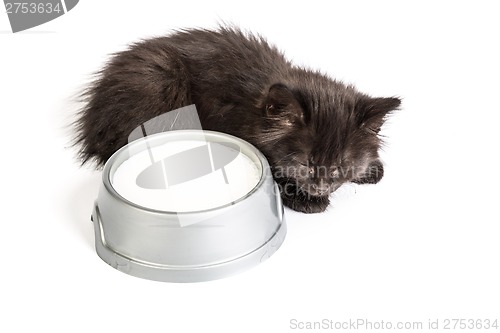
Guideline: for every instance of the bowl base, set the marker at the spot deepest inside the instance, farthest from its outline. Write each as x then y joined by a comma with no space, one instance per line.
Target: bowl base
166,273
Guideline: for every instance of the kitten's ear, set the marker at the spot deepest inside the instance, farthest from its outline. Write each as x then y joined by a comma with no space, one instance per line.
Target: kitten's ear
373,111
281,100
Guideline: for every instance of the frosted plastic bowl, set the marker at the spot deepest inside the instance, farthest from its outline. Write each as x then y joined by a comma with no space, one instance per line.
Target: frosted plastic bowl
187,206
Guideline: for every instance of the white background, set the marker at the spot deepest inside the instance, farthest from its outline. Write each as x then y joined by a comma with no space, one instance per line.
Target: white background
422,244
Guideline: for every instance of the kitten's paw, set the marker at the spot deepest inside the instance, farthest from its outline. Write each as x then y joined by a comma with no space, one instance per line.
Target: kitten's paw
307,205
373,174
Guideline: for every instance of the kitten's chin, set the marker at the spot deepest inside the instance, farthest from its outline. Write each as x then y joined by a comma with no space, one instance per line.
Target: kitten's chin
292,189
299,200
306,203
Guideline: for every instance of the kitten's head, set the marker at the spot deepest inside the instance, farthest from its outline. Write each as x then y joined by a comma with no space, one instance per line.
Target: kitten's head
321,134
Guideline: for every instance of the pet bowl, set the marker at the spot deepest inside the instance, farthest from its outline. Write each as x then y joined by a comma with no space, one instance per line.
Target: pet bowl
187,206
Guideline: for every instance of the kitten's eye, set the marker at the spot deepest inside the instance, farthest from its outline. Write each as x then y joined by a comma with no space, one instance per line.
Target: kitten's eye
311,170
270,107
334,173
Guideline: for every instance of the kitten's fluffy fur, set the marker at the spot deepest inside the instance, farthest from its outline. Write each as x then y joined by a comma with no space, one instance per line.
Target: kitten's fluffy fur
317,133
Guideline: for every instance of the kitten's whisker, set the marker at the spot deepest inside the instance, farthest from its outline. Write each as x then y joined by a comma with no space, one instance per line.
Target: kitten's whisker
175,120
281,159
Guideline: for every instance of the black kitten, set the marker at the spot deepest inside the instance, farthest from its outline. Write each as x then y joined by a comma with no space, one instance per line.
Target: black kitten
317,133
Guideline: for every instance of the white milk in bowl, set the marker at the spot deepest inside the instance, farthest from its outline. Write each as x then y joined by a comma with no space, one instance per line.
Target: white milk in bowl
186,176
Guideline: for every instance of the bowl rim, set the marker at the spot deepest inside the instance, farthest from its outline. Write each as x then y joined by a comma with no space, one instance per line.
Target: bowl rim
110,167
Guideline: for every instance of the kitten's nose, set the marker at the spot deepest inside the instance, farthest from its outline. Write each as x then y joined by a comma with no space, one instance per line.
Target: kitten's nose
321,189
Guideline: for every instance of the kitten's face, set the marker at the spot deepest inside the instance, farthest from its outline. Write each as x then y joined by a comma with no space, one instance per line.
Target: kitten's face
317,140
